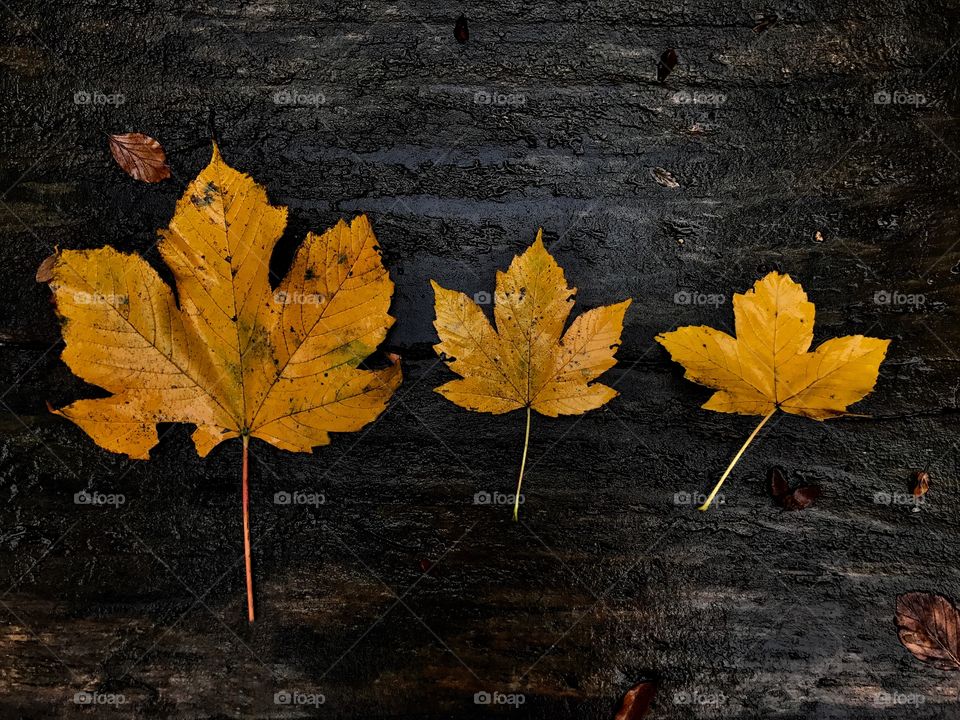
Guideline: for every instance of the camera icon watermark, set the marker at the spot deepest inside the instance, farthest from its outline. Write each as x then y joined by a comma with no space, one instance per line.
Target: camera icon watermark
692,297
500,99
685,97
96,97
895,298
898,97
698,697
499,698
84,298
297,697
684,497
91,697
496,498
299,98
86,497
898,498
298,498
888,699
297,298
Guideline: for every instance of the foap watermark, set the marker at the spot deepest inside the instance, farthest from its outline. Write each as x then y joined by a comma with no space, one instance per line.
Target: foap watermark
685,97
692,297
887,699
298,697
899,97
88,497
84,298
898,498
696,498
498,698
96,97
299,98
500,99
298,498
496,498
698,697
298,298
91,697
895,298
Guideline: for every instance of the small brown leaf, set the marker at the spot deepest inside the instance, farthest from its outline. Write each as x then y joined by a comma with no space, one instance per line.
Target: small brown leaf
666,64
461,30
45,271
140,156
428,567
765,23
802,497
636,703
664,177
779,487
929,627
921,483
799,499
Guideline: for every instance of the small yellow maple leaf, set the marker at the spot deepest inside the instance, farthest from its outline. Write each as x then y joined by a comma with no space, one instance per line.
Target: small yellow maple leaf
527,361
768,366
230,354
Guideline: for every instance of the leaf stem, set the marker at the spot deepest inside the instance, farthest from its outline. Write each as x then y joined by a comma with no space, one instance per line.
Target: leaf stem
736,457
523,464
246,531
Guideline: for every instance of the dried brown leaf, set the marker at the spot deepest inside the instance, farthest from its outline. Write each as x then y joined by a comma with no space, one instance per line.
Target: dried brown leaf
636,703
921,483
802,497
140,156
666,64
45,271
664,177
929,627
799,499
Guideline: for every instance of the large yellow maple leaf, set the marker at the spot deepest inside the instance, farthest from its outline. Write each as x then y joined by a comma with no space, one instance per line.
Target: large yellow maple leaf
527,361
767,365
229,354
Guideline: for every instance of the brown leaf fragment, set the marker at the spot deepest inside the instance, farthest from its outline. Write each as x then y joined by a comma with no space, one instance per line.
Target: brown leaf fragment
140,156
778,483
802,497
765,22
636,703
921,483
428,567
929,627
666,64
45,270
664,177
799,499
461,30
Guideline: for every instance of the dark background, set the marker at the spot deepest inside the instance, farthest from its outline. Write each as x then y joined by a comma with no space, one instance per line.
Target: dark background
752,611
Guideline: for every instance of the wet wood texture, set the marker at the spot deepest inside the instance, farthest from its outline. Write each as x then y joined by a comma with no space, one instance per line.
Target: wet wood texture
825,146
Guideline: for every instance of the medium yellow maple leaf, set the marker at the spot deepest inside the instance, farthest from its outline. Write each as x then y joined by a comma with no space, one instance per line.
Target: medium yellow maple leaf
527,361
229,354
768,366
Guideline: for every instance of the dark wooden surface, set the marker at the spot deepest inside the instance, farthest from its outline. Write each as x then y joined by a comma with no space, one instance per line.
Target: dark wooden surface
606,580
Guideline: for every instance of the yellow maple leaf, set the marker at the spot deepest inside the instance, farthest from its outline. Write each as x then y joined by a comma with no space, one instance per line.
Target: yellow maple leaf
229,354
768,366
527,361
